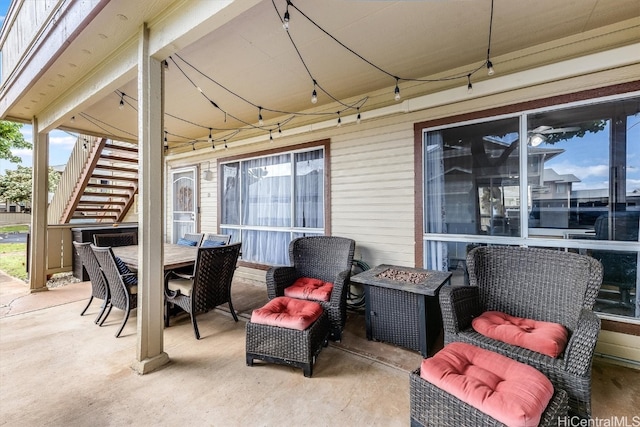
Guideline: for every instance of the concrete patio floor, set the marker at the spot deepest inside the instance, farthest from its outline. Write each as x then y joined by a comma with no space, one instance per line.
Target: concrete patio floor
58,368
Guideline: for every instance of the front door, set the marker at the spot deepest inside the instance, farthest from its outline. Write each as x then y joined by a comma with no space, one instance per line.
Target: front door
185,205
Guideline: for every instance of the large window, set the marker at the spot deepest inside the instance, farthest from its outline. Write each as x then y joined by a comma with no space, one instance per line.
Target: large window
560,177
267,201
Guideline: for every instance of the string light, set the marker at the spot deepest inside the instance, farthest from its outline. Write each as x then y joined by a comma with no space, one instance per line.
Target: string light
339,119
210,140
73,119
314,94
490,69
225,145
165,64
165,137
279,130
469,85
356,105
285,18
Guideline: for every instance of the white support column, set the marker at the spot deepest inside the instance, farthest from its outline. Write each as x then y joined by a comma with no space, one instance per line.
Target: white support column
150,355
39,199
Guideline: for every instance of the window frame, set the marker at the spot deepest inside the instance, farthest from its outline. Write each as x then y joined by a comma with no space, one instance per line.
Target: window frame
291,150
521,110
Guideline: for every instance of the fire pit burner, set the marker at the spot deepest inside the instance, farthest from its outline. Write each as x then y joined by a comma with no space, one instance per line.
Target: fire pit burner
403,276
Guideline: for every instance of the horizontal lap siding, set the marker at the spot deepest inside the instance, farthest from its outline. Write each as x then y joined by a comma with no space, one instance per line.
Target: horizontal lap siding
372,192
208,200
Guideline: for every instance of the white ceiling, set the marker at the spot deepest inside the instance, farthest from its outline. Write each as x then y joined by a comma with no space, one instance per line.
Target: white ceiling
252,56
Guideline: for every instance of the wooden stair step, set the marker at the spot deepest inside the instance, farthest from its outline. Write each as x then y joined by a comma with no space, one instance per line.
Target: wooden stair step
116,168
120,148
107,195
111,186
101,203
81,209
119,158
115,177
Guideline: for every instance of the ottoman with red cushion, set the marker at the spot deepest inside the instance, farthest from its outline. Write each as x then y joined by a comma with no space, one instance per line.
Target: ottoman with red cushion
464,385
287,331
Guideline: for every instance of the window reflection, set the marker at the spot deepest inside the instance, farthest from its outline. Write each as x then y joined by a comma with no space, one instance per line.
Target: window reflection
582,182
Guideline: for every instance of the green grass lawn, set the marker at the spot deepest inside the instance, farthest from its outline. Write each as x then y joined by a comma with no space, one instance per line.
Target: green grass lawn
14,255
14,229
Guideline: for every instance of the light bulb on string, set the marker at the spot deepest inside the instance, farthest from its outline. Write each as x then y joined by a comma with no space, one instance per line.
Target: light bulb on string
285,18
279,130
73,119
270,136
314,94
225,145
121,105
165,137
210,140
339,120
260,121
469,85
490,69
358,118
397,91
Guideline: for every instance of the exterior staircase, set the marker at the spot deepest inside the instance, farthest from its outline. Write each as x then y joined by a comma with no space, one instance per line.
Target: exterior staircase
99,183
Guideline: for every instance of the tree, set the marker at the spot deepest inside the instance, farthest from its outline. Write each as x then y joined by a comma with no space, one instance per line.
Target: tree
15,185
11,137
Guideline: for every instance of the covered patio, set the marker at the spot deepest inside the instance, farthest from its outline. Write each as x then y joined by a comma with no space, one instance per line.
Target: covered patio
251,100
82,376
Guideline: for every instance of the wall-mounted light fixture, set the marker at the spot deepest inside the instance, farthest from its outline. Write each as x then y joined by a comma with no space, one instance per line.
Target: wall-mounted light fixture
208,174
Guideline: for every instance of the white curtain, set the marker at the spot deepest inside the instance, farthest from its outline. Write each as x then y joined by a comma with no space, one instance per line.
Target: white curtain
436,256
273,195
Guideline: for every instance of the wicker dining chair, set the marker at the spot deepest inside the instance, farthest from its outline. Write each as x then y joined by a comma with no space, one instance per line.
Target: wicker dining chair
191,239
99,288
123,285
328,258
208,286
541,284
213,239
115,239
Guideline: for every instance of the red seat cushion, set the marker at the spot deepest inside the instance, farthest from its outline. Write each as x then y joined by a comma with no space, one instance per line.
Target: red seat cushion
288,313
511,392
544,337
309,288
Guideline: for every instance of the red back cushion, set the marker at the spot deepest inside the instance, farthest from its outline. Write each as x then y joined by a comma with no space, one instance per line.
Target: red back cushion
511,392
544,337
287,312
309,288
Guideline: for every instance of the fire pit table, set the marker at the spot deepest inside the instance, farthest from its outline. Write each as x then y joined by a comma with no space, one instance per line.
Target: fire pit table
402,305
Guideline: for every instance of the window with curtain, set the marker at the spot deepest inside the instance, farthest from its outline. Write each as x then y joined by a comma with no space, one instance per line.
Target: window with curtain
266,201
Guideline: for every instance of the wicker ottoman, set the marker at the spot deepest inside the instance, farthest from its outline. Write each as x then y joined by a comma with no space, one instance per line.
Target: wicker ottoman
431,405
287,331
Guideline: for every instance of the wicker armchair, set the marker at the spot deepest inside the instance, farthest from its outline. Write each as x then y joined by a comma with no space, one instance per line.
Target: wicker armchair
99,288
115,239
123,287
541,284
327,258
208,286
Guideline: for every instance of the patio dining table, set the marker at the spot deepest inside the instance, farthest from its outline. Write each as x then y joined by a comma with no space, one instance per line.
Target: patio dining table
175,256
